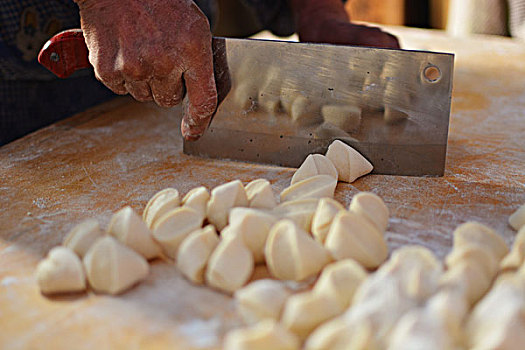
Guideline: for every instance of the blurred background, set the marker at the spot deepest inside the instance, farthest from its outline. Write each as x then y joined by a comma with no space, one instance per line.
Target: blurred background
458,17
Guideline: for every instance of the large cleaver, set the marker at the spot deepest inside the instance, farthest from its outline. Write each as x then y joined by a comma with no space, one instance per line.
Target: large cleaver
280,101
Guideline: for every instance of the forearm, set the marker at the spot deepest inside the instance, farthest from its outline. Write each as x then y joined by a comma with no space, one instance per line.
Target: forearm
306,10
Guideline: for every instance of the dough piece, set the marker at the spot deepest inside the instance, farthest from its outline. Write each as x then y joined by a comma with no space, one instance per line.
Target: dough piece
260,194
379,301
305,311
197,199
417,269
340,280
498,321
314,164
324,214
161,203
299,211
173,227
372,207
60,272
266,335
112,267
292,254
349,163
253,225
337,334
318,186
347,118
351,236
451,309
223,199
517,219
515,258
194,252
128,228
419,329
474,233
473,255
468,279
230,266
304,111
260,300
82,236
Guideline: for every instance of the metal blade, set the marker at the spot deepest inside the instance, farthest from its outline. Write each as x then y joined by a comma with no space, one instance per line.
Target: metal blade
395,103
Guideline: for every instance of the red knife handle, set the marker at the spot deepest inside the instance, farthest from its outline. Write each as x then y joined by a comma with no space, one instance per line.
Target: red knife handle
65,53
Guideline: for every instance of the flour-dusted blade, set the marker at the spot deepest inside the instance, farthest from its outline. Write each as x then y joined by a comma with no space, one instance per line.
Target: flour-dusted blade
285,100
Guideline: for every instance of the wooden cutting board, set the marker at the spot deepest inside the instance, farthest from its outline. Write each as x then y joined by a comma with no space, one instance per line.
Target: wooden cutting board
122,152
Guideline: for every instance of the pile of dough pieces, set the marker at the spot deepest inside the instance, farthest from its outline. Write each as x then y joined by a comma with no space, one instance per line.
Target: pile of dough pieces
115,260
474,299
354,296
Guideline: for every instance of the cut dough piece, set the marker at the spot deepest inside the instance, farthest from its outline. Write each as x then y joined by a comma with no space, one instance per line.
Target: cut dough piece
161,203
419,329
128,228
261,299
82,236
318,186
194,252
112,267
314,164
515,258
349,163
60,272
337,334
304,111
340,280
305,311
474,233
474,255
417,269
379,301
265,335
253,225
173,227
372,207
451,309
498,321
260,194
351,236
323,217
468,279
517,219
347,118
292,254
299,211
197,199
223,199
230,265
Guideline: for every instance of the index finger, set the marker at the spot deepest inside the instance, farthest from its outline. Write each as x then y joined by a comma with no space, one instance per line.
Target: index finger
201,94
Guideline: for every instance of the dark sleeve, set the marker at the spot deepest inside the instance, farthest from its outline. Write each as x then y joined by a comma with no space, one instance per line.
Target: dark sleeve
274,15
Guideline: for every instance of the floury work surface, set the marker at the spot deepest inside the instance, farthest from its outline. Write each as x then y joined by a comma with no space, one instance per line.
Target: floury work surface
122,152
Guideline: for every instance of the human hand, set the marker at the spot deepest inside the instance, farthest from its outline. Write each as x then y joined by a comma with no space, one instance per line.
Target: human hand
151,49
326,21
